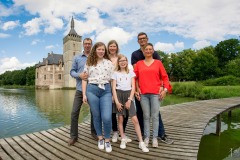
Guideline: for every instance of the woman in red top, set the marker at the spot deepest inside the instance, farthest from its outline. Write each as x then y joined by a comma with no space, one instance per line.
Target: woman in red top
150,77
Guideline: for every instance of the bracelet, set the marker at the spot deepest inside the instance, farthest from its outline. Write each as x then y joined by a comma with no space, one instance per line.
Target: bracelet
130,99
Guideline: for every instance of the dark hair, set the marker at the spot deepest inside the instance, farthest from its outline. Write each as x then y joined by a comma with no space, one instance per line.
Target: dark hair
142,33
87,39
113,42
92,58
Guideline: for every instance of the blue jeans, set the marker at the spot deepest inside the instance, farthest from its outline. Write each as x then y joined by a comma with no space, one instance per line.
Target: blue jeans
100,102
150,105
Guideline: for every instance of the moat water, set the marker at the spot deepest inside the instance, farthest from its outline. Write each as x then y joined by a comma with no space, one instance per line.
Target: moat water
26,111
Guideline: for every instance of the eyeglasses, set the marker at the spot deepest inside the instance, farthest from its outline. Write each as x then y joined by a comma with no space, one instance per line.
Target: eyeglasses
142,38
122,61
87,44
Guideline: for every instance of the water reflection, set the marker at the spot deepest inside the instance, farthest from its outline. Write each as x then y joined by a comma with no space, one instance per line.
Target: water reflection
27,111
214,147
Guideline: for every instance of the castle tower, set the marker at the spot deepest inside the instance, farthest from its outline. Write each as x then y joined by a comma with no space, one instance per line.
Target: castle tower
72,45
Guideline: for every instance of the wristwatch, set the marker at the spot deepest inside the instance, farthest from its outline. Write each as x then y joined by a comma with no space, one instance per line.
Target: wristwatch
165,89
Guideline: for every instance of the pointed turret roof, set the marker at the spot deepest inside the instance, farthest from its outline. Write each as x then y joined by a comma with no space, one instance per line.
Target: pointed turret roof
72,31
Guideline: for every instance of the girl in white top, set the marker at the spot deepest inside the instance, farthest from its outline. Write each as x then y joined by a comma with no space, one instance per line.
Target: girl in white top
97,92
113,51
123,88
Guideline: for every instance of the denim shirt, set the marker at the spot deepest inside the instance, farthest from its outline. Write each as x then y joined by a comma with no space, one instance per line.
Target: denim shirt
78,64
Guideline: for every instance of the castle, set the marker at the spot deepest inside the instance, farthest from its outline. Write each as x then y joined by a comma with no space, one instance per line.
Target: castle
54,71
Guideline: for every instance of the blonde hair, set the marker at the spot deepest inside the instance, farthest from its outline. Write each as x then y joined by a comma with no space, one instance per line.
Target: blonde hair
93,58
117,68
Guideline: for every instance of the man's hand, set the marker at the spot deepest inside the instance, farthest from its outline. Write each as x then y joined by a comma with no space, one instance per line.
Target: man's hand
83,76
137,95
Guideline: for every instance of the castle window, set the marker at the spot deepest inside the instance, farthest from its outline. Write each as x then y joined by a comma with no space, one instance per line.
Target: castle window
74,53
51,76
37,75
73,45
45,77
59,76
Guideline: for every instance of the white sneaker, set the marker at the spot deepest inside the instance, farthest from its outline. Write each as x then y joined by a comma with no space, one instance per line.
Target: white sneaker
108,147
146,141
123,144
115,137
143,147
126,138
101,144
155,143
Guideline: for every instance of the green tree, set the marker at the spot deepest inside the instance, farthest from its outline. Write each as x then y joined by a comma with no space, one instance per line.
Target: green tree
204,65
227,50
181,65
233,67
165,60
30,75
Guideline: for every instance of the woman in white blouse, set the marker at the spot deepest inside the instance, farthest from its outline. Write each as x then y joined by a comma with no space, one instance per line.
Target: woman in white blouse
97,92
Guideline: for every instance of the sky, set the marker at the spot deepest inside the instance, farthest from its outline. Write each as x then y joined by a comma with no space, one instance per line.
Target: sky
30,29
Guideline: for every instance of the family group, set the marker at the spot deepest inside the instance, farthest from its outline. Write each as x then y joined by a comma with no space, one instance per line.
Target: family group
114,93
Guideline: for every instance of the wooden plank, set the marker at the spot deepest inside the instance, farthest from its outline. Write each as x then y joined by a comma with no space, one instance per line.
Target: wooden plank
63,149
48,147
63,145
87,151
18,149
184,123
9,152
132,148
29,149
3,154
38,148
91,143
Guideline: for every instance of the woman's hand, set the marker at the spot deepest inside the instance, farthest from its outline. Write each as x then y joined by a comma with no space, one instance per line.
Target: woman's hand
162,94
119,107
85,99
128,104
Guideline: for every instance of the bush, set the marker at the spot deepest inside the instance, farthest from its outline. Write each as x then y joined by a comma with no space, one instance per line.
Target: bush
222,81
214,92
187,89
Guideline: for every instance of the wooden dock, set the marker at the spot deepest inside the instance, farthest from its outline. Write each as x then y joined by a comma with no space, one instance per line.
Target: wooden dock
184,123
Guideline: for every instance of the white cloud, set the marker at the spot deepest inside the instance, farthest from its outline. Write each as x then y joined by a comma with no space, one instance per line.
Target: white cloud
12,63
28,52
53,24
199,20
201,44
4,11
32,27
10,25
3,35
50,47
179,45
118,34
165,47
168,47
35,41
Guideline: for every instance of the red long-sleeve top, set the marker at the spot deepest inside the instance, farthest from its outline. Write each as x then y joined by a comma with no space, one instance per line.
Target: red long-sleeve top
151,78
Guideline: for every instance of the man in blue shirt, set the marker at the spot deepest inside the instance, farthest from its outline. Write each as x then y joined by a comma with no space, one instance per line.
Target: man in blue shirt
76,72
